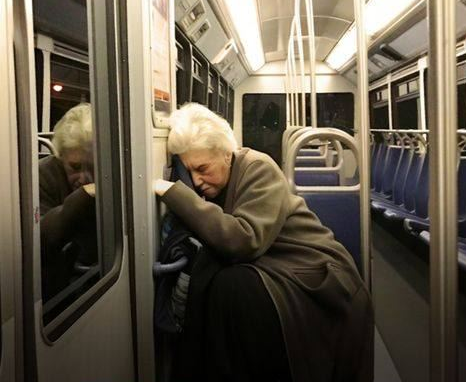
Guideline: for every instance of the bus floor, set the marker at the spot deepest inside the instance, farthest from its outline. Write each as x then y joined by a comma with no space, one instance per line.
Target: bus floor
400,291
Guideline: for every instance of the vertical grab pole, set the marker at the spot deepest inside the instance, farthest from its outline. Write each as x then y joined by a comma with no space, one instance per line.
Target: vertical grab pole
299,35
364,140
290,84
293,70
287,92
312,60
443,211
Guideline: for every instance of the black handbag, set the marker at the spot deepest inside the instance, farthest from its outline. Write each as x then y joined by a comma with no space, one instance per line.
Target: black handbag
172,268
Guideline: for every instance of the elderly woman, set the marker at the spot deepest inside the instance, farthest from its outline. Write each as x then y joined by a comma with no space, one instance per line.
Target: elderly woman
67,204
288,303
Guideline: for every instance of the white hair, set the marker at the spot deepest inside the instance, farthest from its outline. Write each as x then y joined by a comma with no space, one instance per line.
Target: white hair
74,130
195,127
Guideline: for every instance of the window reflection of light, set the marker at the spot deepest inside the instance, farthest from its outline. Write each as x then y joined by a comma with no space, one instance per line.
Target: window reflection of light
57,87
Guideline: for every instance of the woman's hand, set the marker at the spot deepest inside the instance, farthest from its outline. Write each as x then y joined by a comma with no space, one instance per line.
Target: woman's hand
90,189
160,186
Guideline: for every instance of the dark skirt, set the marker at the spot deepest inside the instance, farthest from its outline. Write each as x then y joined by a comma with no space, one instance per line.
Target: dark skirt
242,337
317,330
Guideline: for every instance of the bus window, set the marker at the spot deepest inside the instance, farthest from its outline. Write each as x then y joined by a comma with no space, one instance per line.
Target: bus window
264,120
336,110
379,108
333,110
75,253
407,108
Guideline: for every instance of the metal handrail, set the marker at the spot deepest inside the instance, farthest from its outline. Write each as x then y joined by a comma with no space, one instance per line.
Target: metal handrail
296,134
290,136
304,139
48,143
286,135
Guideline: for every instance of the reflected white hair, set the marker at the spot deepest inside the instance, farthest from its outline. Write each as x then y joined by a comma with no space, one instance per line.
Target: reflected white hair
194,127
74,130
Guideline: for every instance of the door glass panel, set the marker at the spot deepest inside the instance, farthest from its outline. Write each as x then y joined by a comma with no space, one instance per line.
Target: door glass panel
71,262
461,94
69,86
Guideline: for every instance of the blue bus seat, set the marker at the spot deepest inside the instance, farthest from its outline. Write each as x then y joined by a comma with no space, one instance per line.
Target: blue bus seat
412,187
374,157
425,237
309,153
379,167
303,178
310,162
399,182
330,208
417,224
389,172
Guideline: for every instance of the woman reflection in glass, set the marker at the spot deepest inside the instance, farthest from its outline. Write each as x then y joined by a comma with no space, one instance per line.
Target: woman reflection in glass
67,200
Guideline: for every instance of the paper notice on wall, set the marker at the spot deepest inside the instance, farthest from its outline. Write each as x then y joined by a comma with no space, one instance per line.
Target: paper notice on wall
160,46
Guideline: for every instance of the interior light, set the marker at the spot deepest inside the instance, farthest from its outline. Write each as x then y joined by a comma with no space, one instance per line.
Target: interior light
344,50
378,15
57,87
245,19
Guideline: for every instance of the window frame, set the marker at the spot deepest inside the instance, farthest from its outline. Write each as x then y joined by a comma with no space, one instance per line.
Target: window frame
104,71
397,99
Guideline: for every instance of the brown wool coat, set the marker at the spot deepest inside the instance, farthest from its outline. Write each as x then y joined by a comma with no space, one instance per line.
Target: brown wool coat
322,303
67,216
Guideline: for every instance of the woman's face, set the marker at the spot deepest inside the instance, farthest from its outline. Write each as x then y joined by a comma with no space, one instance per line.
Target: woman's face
210,170
79,167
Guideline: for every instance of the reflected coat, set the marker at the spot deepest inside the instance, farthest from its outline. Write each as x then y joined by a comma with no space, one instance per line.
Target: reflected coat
67,217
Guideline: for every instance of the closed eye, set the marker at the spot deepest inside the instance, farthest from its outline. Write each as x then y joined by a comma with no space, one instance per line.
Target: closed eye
75,166
202,168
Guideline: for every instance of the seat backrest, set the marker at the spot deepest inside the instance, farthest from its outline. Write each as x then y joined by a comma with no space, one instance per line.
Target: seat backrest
412,178
303,178
336,206
462,189
391,165
374,157
310,162
421,200
379,168
340,213
309,153
399,181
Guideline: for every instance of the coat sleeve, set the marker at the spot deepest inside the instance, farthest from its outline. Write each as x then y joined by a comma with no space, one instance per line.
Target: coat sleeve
60,222
259,213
